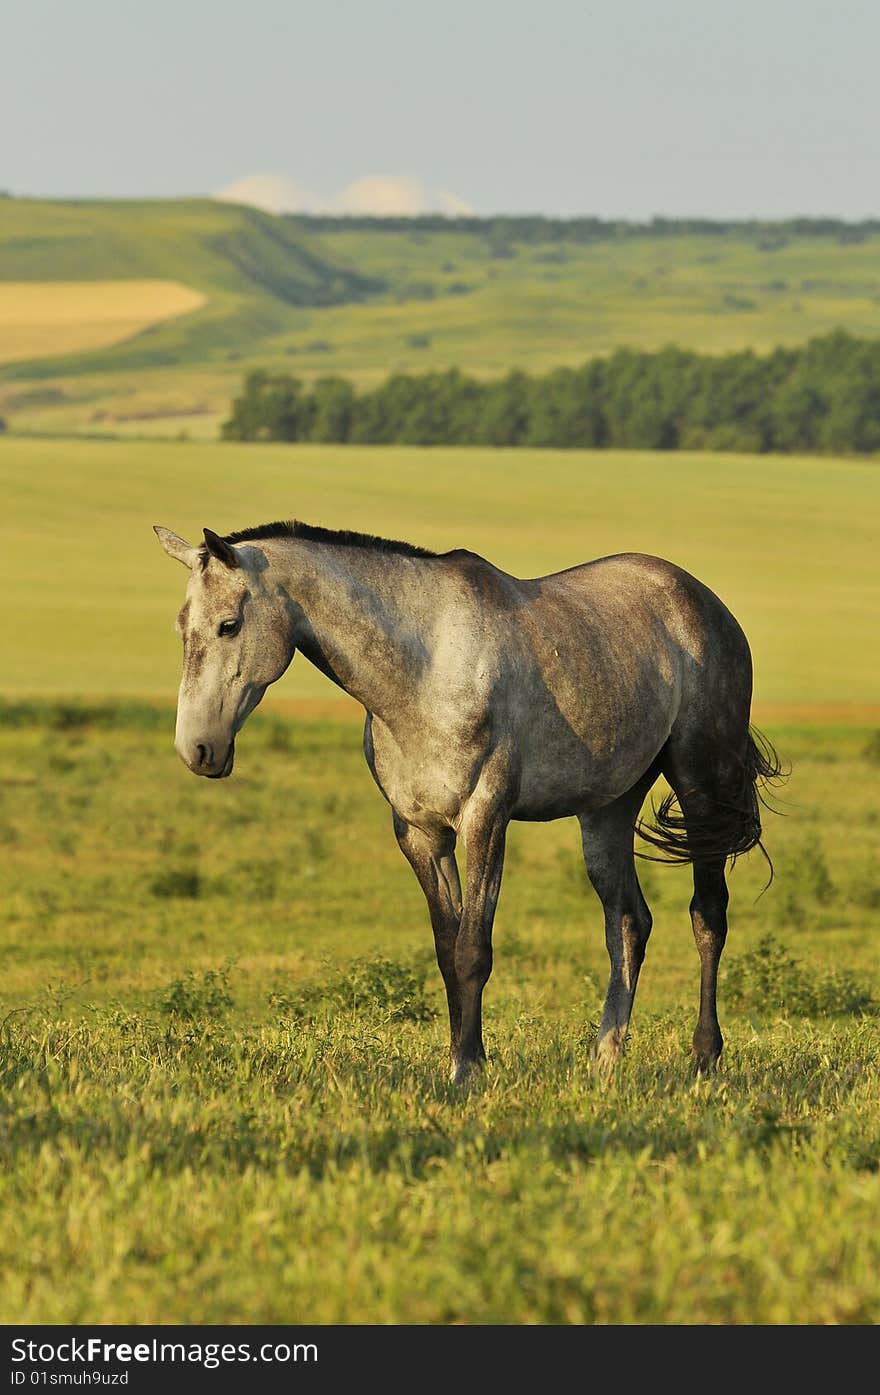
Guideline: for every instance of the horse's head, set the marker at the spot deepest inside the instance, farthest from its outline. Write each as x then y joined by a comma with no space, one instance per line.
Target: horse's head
237,639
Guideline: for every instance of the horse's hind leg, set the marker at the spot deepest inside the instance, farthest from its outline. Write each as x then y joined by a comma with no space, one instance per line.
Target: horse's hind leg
709,921
710,791
608,854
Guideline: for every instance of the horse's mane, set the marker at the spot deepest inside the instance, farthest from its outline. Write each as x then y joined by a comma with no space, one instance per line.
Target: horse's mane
342,537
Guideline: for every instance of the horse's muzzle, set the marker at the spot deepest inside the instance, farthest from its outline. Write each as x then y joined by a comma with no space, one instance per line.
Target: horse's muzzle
227,764
201,759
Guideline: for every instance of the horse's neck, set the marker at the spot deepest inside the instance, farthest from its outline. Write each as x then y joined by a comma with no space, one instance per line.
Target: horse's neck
358,617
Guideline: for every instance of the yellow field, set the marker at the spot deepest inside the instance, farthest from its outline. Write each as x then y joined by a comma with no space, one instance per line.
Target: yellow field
61,317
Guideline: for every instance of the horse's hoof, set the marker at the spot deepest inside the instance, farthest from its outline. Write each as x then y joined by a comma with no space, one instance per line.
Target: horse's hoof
609,1052
707,1048
463,1071
704,1064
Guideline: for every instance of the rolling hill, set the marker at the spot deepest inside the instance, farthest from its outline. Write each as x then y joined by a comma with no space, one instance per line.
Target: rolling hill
364,298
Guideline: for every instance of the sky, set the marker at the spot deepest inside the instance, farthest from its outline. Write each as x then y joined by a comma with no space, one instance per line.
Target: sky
619,108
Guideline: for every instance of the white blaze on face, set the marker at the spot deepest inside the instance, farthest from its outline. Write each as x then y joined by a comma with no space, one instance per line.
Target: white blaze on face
236,641
211,626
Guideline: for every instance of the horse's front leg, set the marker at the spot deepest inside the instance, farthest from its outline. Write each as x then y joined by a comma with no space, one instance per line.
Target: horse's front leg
432,858
484,837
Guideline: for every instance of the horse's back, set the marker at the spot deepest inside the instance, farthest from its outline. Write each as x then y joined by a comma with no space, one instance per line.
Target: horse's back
606,622
632,592
632,579
621,582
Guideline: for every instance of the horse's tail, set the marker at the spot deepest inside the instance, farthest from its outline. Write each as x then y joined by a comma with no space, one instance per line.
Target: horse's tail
723,823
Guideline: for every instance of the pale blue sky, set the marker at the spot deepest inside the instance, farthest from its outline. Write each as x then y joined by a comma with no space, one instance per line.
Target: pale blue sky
631,108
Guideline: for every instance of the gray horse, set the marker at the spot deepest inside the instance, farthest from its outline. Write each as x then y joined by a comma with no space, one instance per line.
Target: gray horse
491,698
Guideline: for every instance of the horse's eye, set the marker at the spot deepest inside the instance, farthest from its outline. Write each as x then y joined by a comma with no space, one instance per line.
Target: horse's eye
229,627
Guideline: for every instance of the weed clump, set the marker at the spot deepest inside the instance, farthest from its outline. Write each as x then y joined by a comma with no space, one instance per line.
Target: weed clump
183,882
769,979
871,749
198,995
391,987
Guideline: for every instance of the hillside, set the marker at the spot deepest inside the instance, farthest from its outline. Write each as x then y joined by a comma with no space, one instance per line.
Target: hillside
212,246
249,266
364,298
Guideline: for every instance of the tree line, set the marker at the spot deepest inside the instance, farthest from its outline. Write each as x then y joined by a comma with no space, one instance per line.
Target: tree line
536,229
821,397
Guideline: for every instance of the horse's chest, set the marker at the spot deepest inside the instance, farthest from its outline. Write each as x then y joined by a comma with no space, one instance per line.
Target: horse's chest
426,781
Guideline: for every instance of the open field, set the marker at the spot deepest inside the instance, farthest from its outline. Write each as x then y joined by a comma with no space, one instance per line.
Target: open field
789,544
287,294
62,317
223,1091
222,1073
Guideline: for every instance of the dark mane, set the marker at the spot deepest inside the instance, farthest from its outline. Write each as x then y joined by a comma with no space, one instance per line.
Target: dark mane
341,537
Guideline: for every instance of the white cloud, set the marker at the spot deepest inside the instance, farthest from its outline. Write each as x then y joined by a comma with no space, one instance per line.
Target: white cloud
274,193
452,205
389,196
382,194
396,196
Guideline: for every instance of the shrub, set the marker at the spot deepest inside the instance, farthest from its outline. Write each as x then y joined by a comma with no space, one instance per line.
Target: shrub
769,979
198,995
392,987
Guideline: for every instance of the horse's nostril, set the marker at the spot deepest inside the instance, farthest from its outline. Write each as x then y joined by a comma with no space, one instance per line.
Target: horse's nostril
202,754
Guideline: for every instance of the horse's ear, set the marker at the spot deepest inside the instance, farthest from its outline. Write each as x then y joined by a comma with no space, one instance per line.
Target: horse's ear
221,549
176,547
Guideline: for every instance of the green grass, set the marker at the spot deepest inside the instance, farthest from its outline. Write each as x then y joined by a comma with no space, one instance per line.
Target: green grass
223,1094
286,295
789,544
222,1057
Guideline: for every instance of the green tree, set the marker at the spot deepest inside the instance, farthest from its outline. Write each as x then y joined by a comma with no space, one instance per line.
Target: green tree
505,410
271,408
332,409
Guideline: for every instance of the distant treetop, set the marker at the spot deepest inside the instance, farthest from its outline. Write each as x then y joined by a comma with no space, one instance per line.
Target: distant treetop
536,229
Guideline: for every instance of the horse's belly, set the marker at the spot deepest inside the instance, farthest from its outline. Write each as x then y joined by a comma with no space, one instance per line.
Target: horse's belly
563,773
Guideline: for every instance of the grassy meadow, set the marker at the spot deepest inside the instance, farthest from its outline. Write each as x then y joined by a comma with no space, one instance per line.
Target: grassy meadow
287,294
223,1092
